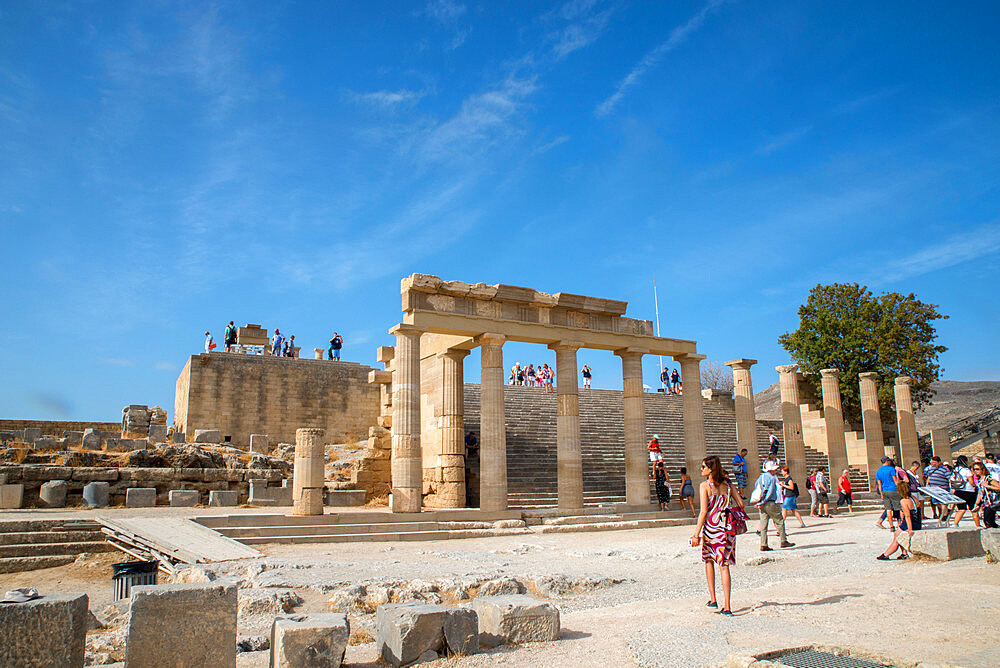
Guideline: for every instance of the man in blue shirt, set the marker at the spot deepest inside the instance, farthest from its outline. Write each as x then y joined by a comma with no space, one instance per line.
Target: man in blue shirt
885,479
740,471
769,508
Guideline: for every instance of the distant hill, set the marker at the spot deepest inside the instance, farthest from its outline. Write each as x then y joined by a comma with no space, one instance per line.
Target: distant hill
954,400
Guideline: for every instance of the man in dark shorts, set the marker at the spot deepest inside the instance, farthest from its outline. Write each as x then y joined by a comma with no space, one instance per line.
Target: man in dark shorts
885,478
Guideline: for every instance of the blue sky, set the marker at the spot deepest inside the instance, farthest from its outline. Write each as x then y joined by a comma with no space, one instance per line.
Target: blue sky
167,167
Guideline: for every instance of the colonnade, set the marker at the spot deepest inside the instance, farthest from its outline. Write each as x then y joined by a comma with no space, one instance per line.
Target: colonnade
406,455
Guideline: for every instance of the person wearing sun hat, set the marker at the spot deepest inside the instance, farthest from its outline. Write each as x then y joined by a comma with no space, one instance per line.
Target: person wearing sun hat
655,455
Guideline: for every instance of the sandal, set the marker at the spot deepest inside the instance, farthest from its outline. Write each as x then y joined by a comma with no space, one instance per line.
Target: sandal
726,612
882,557
712,604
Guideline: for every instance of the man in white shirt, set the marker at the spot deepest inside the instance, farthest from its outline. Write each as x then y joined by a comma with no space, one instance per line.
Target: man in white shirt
209,342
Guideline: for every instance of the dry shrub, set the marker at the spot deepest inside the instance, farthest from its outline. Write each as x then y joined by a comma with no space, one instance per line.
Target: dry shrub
381,500
360,638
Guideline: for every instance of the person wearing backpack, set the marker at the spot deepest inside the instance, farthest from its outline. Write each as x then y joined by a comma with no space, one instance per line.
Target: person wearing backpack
811,486
790,492
336,343
964,488
229,338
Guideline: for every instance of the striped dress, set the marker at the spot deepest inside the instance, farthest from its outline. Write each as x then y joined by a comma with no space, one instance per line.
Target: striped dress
716,544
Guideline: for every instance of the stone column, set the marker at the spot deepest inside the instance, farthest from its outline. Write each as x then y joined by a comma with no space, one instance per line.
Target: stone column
833,416
694,417
309,474
791,417
871,420
636,459
492,427
407,469
746,420
569,455
909,448
318,353
452,457
941,443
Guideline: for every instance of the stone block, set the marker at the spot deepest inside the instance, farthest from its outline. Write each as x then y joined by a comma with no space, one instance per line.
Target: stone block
309,641
48,631
183,498
11,496
177,437
182,625
404,631
220,498
31,433
117,444
259,443
52,494
461,631
44,443
73,438
947,544
158,433
97,494
515,619
207,436
92,474
990,540
90,440
140,497
8,436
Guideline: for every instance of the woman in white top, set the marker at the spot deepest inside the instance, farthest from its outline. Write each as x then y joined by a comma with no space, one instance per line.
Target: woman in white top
965,489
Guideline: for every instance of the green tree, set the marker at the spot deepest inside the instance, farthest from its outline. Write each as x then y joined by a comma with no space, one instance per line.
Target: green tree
844,326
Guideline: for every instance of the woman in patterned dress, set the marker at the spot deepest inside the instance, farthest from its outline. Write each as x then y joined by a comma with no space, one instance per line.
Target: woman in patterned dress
717,546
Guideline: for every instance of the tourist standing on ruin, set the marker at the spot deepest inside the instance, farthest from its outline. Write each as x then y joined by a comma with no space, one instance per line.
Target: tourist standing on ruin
209,342
718,546
229,339
586,376
844,493
655,455
276,342
336,343
789,495
908,523
740,472
687,490
662,482
767,504
675,382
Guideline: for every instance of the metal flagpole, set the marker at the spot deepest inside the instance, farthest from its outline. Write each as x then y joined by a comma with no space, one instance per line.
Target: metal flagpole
656,307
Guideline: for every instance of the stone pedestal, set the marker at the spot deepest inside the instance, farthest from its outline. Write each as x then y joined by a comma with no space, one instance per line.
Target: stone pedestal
52,494
746,419
493,439
909,448
451,492
636,459
871,420
833,416
318,353
795,446
568,454
309,474
47,631
317,639
694,418
407,464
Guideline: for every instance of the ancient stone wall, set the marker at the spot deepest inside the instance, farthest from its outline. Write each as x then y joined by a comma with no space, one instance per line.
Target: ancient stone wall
254,394
57,427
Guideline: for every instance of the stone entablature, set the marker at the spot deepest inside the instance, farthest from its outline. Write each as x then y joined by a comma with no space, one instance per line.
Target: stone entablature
524,314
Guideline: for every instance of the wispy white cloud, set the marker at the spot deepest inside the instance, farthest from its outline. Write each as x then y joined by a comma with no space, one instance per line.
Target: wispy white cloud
941,254
449,14
784,139
678,36
385,99
583,29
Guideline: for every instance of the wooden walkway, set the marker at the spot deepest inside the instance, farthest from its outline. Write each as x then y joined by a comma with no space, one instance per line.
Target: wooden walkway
172,540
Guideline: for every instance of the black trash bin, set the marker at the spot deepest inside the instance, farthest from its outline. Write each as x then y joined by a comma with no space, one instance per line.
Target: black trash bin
132,573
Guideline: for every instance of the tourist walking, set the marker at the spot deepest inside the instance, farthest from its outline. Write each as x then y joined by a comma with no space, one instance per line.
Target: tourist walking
987,496
822,492
229,338
530,374
908,523
687,490
885,481
789,496
209,342
471,445
655,455
718,546
276,342
665,379
768,505
675,382
772,445
586,376
844,492
662,482
740,472
964,488
938,474
811,486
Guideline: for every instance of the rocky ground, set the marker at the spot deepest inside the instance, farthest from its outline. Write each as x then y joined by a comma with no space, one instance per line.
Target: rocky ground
627,598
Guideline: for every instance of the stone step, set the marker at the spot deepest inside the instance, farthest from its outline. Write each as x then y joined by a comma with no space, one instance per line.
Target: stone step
54,549
26,537
20,564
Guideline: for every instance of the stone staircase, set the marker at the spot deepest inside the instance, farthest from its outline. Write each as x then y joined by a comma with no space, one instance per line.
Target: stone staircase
27,545
531,441
814,430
